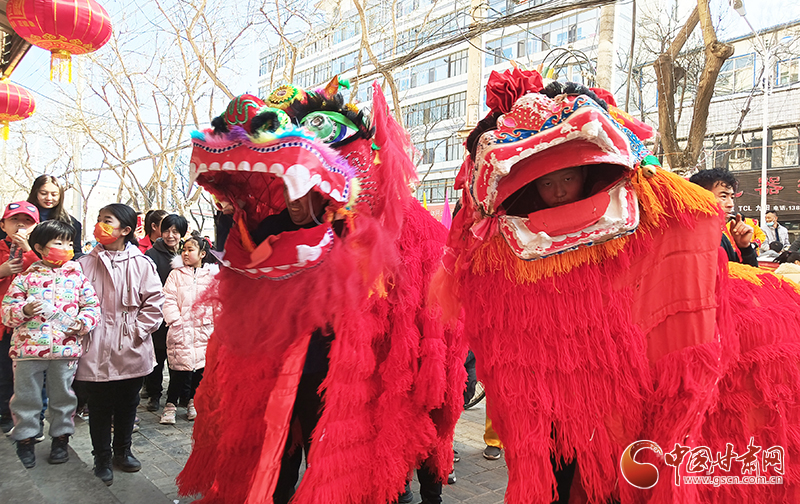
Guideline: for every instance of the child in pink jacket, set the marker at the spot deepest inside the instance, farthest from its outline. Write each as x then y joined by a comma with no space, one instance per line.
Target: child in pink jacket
190,323
118,354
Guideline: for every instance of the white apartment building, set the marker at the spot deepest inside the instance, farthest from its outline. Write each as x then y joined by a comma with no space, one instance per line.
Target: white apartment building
432,88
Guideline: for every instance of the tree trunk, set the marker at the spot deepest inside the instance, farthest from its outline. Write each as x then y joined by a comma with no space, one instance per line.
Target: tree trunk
715,55
605,48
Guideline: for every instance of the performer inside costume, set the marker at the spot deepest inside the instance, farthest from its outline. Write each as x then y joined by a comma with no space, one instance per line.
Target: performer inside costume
324,342
605,312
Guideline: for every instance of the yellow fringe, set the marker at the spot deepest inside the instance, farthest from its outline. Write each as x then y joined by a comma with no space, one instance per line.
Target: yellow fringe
746,273
683,198
755,275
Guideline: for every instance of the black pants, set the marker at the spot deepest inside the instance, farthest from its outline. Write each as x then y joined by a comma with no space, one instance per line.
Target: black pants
305,415
430,488
79,387
6,375
564,477
183,384
153,383
117,399
472,378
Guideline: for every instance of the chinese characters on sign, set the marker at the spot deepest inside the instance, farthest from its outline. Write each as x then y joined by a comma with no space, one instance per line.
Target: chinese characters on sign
702,466
755,461
782,189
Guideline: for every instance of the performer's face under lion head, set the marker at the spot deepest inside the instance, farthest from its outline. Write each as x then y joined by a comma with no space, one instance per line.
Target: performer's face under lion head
552,172
299,151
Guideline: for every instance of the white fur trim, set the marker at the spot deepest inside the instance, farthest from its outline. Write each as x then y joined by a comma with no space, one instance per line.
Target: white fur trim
176,262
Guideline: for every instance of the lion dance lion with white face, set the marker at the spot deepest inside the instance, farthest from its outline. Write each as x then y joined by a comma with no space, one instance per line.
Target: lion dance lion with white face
613,317
392,393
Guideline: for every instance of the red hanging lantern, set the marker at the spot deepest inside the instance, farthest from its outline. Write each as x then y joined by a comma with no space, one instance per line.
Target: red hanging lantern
63,27
16,104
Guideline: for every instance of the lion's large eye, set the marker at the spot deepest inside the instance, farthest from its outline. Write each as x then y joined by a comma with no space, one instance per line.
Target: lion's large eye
330,127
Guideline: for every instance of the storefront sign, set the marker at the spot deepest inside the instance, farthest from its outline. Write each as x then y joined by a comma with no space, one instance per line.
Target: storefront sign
783,193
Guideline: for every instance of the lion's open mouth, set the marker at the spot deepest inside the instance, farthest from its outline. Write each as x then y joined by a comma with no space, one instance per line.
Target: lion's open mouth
526,199
539,140
251,178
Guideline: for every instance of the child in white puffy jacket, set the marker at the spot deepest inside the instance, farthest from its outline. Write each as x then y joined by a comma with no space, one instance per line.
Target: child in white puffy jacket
190,323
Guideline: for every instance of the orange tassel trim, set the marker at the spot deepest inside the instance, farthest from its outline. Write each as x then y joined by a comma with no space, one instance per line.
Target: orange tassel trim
662,198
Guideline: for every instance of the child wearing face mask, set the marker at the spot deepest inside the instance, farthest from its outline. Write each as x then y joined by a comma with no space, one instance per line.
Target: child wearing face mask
119,352
190,323
16,256
51,307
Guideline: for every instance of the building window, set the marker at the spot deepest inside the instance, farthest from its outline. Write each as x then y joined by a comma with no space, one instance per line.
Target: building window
521,53
736,75
429,112
457,63
784,147
788,72
434,191
455,148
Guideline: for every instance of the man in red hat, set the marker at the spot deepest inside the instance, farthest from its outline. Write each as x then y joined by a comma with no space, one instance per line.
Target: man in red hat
18,220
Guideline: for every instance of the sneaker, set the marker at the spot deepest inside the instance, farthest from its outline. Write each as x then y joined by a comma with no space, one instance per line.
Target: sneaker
492,453
168,417
58,450
102,469
6,424
135,428
83,413
25,452
40,436
451,478
456,456
126,461
153,404
191,412
406,497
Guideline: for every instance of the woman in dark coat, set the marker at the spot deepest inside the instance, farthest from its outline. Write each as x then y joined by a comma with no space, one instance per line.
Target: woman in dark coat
173,228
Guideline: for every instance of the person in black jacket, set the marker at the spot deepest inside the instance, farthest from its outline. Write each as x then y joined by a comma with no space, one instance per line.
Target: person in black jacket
736,234
173,229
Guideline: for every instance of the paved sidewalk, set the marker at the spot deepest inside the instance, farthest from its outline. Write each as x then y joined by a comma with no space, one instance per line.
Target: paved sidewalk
164,449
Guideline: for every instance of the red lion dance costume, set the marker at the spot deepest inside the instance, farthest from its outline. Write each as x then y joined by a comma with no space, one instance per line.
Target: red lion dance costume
392,394
613,318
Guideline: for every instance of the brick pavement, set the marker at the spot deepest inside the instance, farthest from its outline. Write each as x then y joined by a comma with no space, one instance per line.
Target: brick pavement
164,449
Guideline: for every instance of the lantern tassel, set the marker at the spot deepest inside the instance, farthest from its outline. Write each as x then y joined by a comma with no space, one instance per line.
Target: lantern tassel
5,130
60,64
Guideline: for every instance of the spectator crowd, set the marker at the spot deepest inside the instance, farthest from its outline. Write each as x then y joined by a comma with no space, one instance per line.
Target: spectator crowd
88,329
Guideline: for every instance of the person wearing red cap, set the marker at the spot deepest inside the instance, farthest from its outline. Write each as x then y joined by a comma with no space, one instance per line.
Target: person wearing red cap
18,220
